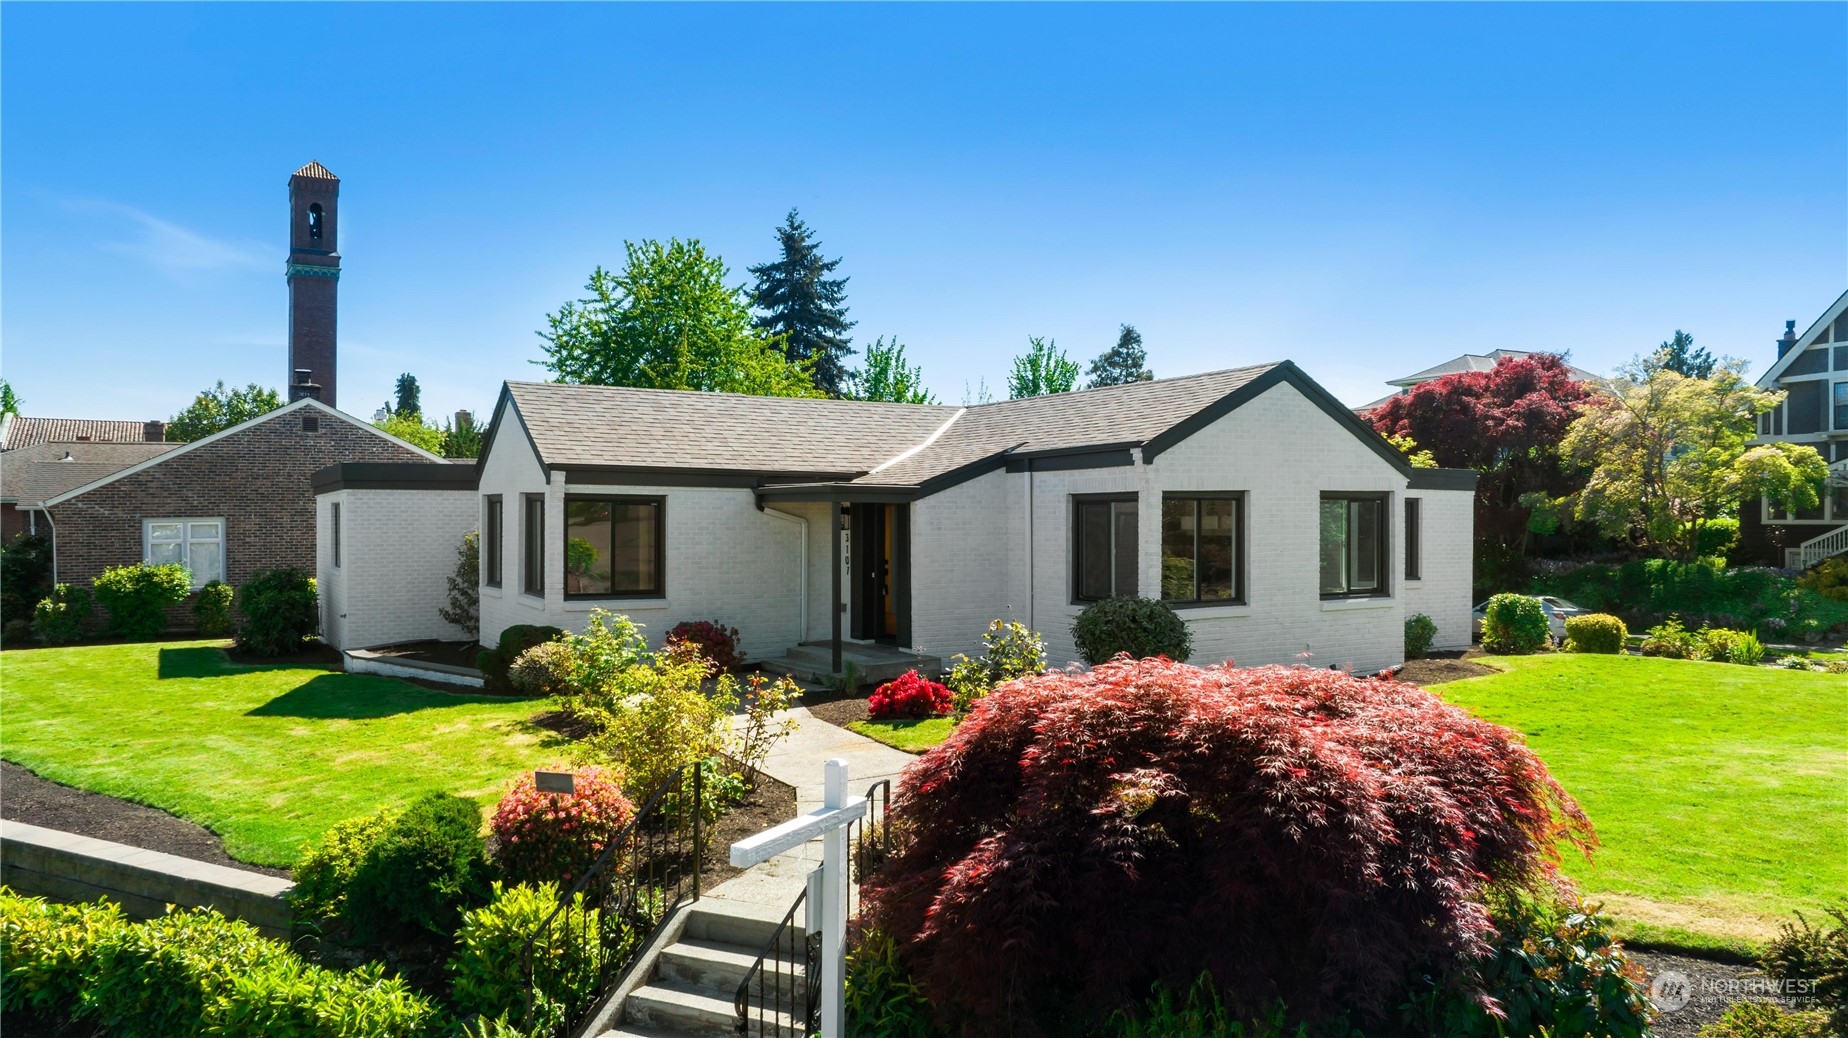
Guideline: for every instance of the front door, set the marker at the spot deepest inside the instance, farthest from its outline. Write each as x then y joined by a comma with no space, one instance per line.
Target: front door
880,581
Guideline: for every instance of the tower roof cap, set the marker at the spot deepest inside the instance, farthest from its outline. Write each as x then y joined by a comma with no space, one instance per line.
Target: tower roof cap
315,169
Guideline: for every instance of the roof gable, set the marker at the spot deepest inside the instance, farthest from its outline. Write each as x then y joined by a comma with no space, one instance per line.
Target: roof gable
187,448
1776,370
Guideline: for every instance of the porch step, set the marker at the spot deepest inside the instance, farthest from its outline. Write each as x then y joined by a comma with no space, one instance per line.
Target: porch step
690,991
874,664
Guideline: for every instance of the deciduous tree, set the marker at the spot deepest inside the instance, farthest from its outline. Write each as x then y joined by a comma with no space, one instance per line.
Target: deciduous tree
668,321
1669,454
1123,363
887,377
803,307
218,408
1043,369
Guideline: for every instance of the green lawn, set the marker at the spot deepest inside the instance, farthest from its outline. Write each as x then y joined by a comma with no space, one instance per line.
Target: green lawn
1719,792
267,757
910,736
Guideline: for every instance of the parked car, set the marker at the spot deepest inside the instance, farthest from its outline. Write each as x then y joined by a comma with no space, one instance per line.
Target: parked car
1557,610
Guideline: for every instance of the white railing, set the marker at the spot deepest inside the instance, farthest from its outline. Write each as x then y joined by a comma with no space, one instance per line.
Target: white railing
1817,548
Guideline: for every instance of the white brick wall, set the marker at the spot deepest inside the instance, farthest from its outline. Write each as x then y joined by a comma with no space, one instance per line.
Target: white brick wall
1445,592
398,550
966,543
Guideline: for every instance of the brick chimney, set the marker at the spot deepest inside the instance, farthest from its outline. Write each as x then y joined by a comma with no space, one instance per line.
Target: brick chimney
464,420
1789,341
303,385
154,432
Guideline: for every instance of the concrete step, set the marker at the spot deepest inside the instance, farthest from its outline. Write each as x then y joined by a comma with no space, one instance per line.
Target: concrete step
673,1009
739,923
815,663
715,966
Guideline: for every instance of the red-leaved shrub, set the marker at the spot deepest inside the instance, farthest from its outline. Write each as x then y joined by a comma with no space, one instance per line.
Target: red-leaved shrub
553,837
1301,834
714,640
909,695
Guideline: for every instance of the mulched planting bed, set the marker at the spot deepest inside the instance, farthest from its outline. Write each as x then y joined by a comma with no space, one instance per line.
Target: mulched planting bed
1710,979
1438,667
452,654
837,712
313,654
25,797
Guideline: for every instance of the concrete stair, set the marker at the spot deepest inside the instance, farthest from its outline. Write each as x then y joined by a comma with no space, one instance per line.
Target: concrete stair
693,982
813,662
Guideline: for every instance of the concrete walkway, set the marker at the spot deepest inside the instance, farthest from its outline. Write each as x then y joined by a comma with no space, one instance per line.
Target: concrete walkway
798,761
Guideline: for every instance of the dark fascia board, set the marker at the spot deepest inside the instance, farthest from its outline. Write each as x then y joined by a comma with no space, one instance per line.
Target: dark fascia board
669,476
394,475
1284,371
867,492
1443,479
1063,459
505,404
1116,455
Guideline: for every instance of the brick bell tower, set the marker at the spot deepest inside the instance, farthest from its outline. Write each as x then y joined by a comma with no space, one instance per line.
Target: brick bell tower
313,275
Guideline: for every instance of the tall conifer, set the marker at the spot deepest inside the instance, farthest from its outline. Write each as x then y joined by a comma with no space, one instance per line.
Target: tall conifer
801,303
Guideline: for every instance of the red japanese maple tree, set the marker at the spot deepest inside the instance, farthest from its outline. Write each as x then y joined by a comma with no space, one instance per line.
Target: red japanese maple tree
1300,834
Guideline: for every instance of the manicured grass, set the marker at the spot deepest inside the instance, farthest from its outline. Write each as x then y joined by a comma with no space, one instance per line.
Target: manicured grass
910,736
1719,792
267,757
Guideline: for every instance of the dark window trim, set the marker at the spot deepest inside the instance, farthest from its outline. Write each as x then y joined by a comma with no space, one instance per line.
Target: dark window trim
336,516
1414,538
1238,546
660,503
493,538
1384,549
532,577
1075,572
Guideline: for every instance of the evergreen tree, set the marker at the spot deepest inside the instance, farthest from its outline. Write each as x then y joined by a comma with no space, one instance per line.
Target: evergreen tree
1123,363
886,377
9,402
803,305
1679,356
409,397
1043,369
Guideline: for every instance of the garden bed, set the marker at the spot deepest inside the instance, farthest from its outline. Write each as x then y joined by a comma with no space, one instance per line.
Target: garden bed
447,654
1439,667
25,797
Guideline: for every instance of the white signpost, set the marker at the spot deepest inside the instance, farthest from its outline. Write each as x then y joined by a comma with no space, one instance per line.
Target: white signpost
829,822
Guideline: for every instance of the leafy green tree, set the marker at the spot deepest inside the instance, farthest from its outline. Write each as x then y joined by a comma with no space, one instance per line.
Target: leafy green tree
1043,369
1679,356
410,398
1123,363
218,408
413,429
668,321
886,377
9,401
803,306
1670,454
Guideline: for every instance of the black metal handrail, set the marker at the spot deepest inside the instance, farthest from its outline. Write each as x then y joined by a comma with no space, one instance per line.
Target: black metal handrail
869,842
644,873
779,1013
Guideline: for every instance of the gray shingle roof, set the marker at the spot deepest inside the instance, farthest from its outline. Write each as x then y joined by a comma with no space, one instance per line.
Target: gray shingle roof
36,473
844,440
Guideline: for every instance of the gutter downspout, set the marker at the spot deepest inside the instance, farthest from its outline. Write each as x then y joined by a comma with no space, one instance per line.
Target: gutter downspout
54,547
802,573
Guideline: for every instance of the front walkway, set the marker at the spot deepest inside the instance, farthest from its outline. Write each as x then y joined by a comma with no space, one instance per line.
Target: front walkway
798,760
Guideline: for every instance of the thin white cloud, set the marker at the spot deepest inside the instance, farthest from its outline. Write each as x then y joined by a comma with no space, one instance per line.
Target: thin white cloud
168,247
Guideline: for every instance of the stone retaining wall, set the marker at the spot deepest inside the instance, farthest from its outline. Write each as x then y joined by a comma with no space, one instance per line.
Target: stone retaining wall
69,868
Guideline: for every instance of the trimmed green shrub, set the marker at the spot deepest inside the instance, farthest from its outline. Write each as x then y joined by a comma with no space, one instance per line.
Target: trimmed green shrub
325,869
289,998
1420,630
279,611
490,979
1816,957
25,576
64,615
1670,640
494,663
1010,650
428,866
45,947
1514,625
1142,627
546,669
1596,632
212,609
155,979
1764,1020
137,597
555,837
1723,646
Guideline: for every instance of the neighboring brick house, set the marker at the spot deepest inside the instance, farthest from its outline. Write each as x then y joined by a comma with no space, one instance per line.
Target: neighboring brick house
1274,520
228,505
30,475
1812,371
17,431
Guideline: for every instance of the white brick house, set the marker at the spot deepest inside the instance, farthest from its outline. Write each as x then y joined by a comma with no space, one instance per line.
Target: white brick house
1275,521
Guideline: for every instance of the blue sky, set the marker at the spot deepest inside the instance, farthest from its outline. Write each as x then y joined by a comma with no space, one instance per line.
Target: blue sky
1365,189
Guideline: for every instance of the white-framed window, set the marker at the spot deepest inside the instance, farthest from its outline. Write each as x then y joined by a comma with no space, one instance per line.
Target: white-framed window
197,544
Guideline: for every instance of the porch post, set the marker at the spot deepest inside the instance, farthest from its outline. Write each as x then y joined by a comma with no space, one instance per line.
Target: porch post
834,539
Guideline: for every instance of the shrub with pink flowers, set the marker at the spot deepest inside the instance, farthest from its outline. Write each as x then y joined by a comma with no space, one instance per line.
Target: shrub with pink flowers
910,695
714,640
553,837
